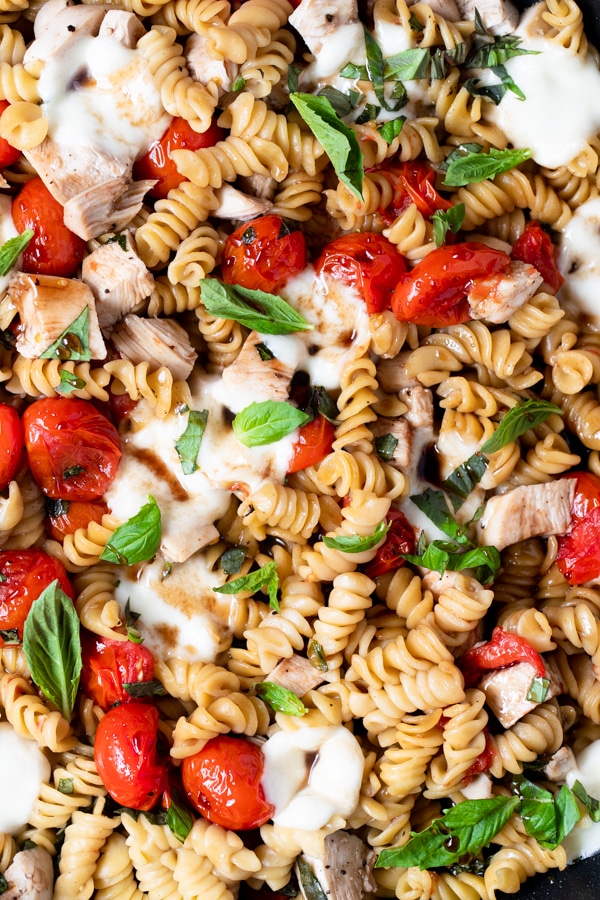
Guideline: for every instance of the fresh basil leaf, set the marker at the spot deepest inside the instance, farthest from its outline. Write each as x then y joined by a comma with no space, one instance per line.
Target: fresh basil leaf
319,402
265,354
356,543
458,54
442,556
188,445
435,506
369,114
179,821
73,472
478,167
74,342
12,249
293,74
408,65
592,805
232,559
166,570
439,65
567,814
503,48
494,92
310,883
290,889
340,102
480,28
69,382
11,635
385,446
281,699
444,220
464,479
65,785
266,576
547,818
354,97
358,73
239,84
538,690
52,647
267,422
144,688
131,618
3,884
464,829
339,142
539,819
263,312
375,67
390,130
400,93
458,153
137,539
414,23
120,239
517,421
316,656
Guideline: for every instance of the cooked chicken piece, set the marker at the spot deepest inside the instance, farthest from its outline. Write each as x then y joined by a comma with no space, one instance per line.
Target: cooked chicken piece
497,298
559,765
234,204
316,20
162,342
262,186
400,430
47,306
419,400
297,675
499,16
67,172
124,26
118,279
446,8
391,374
109,206
346,870
480,788
205,68
177,548
270,378
528,511
506,690
30,876
60,26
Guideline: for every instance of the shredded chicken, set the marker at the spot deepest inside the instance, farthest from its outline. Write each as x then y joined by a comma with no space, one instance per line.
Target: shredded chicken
271,378
346,870
506,690
559,765
316,20
109,206
392,376
30,876
161,342
497,298
118,279
234,204
262,186
420,405
528,511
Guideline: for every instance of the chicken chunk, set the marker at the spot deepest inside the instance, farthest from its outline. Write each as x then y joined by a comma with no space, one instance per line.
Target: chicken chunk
480,788
67,172
262,186
528,511
400,431
30,876
205,68
559,765
234,204
47,306
118,279
270,378
506,690
392,376
297,675
346,870
317,20
497,298
162,342
109,206
499,16
419,400
60,26
123,26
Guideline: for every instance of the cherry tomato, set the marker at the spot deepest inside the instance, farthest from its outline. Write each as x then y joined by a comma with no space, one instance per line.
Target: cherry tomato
535,247
263,254
578,556
484,760
109,664
313,444
366,261
120,405
25,574
222,782
502,650
73,515
8,153
126,755
53,249
587,495
414,182
435,292
157,162
73,449
399,539
11,444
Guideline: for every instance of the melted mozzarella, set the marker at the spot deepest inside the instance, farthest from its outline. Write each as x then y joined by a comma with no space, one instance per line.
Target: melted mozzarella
311,775
584,840
23,768
579,262
345,43
7,231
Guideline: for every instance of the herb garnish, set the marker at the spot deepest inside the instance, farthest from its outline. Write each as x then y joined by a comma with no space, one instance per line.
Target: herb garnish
263,312
138,539
281,699
266,576
74,342
188,445
357,543
267,422
12,249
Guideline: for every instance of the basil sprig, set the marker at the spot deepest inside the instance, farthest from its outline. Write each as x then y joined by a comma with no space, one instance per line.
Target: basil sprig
445,220
263,312
267,422
188,445
266,576
69,382
476,167
547,817
592,805
281,699
12,249
52,647
74,342
356,543
489,51
137,539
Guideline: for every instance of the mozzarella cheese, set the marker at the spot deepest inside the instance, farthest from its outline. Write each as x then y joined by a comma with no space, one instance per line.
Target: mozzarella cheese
23,769
579,262
584,840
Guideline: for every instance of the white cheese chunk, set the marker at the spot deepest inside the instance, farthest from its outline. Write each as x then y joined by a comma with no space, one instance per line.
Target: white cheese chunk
23,768
579,263
584,840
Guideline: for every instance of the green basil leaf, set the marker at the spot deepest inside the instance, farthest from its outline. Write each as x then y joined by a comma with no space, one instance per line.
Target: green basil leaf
529,790
435,506
385,446
539,819
73,472
65,785
447,220
232,559
390,130
267,422
341,103
265,354
517,421
464,829
52,647
131,618
442,556
137,539
356,543
144,688
293,74
375,67
494,92
69,382
567,814
120,239
188,445
11,635
281,699
316,656
310,883
369,114
339,142
3,884
478,167
263,312
265,576
408,65
74,342
56,508
179,821
358,73
319,402
459,153
592,805
503,48
538,690
414,23
480,28
239,84
464,479
12,249
166,571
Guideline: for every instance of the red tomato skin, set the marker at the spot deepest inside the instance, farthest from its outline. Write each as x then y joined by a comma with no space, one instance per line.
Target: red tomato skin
108,664
27,573
12,444
263,254
222,782
157,164
126,757
53,249
414,182
314,443
578,556
535,247
434,293
484,760
587,495
367,262
8,153
78,515
66,433
502,650
399,539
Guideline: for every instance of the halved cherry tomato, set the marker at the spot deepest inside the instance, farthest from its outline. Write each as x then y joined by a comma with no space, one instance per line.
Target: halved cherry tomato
578,555
313,444
484,760
414,182
53,249
157,162
502,650
435,292
399,539
24,575
120,405
8,153
109,664
222,782
11,444
535,247
73,449
587,495
74,515
367,262
263,254
126,755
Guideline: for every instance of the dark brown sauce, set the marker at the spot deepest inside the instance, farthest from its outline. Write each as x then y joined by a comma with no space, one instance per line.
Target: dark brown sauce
158,468
81,79
168,634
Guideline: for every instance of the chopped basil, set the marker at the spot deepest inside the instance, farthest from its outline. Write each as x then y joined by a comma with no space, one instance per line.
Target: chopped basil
458,153
69,382
56,508
263,312
548,818
463,479
414,23
131,618
375,67
355,72
293,75
442,556
138,539
356,543
435,506
52,647
239,84
319,402
538,690
517,421
3,884
316,656
3,577
179,821
408,65
390,130
480,28
265,354
311,885
369,114
74,342
592,805
188,445
341,103
12,249
166,570
266,576
11,635
66,785
232,559
120,239
486,55
73,472
444,220
267,422
248,236
494,92
476,167
385,446
281,699
144,688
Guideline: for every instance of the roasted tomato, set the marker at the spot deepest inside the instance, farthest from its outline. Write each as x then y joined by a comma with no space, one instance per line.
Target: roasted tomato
8,153
73,450
24,575
399,539
11,444
435,292
535,247
414,182
484,761
367,262
109,664
502,650
53,249
67,516
313,444
263,254
222,782
126,755
578,555
157,163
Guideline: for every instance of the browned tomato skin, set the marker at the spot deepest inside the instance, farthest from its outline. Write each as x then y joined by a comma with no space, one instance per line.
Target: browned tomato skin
12,444
263,255
53,249
8,153
26,573
108,664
